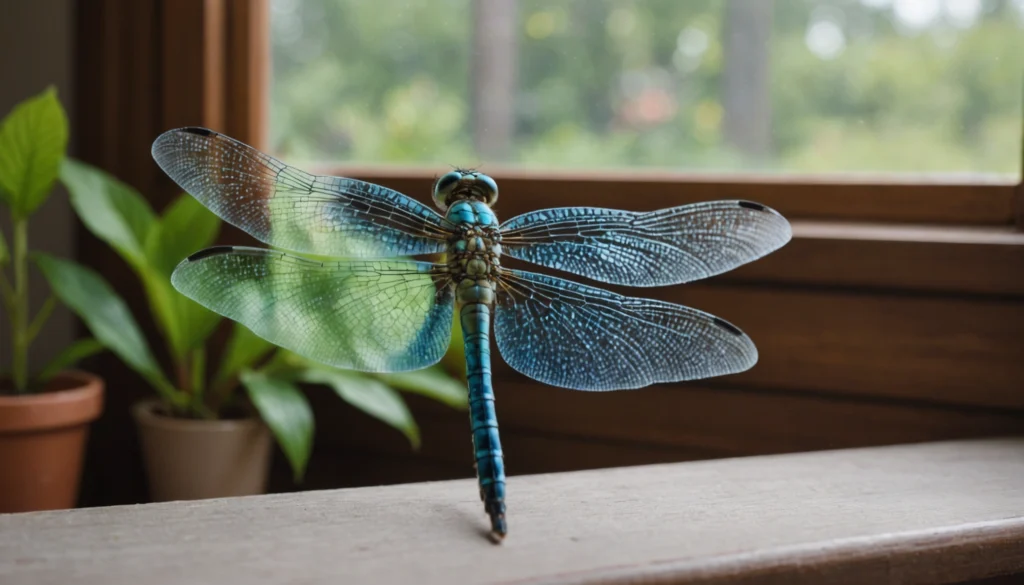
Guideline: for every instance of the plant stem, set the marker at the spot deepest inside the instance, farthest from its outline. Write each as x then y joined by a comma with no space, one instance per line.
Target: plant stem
19,312
41,317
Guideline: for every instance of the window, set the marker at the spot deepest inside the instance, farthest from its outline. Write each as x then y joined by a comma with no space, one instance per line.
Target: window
790,86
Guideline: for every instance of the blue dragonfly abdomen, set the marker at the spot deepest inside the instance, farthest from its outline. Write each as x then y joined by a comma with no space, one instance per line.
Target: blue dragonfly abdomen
473,259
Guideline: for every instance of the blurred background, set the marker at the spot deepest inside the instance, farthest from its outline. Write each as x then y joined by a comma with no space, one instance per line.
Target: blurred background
780,86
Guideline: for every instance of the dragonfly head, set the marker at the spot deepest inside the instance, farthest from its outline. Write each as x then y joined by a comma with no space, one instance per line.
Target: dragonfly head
464,184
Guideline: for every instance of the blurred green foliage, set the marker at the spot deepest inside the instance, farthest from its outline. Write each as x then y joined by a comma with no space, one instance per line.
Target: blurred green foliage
854,85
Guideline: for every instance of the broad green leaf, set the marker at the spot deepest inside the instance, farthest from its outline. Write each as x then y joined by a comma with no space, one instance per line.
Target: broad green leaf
107,317
432,382
72,354
370,396
185,227
33,140
287,412
184,323
244,349
110,209
120,216
4,254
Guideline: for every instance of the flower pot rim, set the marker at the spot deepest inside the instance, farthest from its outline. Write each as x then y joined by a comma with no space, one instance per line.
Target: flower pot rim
144,413
82,403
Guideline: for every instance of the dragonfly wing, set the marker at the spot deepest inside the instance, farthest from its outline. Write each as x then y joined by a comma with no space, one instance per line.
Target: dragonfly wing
669,246
369,315
576,336
292,209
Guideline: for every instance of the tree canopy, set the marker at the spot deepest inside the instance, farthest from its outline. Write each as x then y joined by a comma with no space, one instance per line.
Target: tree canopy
737,85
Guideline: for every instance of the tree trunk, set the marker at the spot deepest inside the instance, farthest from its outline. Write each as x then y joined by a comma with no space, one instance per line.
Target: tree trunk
746,91
494,72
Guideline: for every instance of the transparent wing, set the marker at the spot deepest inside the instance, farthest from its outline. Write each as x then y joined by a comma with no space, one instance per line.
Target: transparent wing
369,315
669,246
575,336
291,209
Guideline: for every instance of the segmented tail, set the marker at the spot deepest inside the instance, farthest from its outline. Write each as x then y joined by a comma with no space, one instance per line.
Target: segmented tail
490,468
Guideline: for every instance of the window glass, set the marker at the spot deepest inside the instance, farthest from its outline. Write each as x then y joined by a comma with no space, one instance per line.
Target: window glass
795,86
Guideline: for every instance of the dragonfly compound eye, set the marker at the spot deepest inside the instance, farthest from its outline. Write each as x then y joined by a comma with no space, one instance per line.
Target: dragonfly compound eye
487,187
443,188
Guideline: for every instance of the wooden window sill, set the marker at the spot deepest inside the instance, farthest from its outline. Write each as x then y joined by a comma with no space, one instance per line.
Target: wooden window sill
928,513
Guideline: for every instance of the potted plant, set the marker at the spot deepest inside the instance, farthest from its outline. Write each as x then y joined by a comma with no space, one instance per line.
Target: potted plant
44,416
206,433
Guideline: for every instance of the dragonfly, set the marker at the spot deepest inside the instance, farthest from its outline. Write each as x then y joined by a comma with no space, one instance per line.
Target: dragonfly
340,284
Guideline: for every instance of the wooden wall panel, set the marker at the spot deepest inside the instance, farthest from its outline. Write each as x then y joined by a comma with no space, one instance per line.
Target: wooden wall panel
943,349
547,429
929,259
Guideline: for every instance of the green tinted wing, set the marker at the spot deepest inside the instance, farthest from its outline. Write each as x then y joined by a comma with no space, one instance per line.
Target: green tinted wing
369,315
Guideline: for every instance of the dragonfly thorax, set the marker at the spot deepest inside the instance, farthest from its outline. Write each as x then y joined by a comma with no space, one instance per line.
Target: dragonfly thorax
474,251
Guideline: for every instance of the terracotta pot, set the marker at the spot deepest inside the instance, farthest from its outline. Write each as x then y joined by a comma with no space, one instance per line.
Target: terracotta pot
42,442
189,459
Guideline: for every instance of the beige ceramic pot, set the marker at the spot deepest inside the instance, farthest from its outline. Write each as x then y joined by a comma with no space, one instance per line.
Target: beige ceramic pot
42,442
190,459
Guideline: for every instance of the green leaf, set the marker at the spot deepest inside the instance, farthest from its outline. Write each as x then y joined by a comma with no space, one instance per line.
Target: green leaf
370,396
121,217
186,227
287,412
33,140
433,383
185,322
111,210
72,354
107,317
244,349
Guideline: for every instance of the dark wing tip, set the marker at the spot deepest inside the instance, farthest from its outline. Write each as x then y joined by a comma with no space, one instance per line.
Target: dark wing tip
724,325
214,251
752,205
198,130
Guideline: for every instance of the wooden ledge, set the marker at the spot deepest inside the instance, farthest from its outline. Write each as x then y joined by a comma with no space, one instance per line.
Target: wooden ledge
931,513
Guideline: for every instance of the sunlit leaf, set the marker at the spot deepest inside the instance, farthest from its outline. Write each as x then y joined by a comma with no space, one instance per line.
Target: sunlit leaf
287,412
186,226
71,355
370,396
244,349
431,382
106,315
110,209
121,217
33,139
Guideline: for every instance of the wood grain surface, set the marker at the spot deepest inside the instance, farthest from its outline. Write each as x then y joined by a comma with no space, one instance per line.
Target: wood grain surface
929,513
